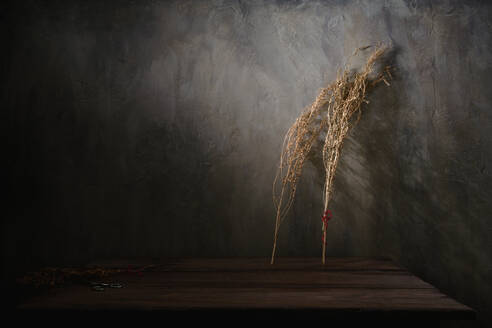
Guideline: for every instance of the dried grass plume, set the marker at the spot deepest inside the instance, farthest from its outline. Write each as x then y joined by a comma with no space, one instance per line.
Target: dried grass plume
336,109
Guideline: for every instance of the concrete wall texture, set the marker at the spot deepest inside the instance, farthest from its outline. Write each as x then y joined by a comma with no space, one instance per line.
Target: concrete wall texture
153,128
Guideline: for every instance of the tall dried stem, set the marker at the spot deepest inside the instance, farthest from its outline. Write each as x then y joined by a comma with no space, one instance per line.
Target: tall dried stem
332,113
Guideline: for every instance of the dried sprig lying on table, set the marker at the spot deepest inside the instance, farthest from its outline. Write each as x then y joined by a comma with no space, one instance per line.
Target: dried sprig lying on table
59,276
49,277
336,109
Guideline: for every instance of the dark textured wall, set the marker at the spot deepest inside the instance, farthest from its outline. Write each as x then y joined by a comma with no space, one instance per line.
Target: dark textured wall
147,128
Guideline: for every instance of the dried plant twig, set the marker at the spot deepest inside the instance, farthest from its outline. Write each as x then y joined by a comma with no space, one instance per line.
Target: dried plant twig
336,109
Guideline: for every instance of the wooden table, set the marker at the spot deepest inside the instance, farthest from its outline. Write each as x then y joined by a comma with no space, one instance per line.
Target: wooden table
251,288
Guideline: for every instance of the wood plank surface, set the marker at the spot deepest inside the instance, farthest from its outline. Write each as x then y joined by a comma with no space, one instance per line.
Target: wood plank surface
341,285
259,264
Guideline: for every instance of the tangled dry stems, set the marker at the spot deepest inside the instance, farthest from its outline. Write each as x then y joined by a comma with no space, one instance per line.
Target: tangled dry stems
336,109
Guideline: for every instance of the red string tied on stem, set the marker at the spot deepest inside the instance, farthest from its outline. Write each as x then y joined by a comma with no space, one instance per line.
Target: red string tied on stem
325,218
